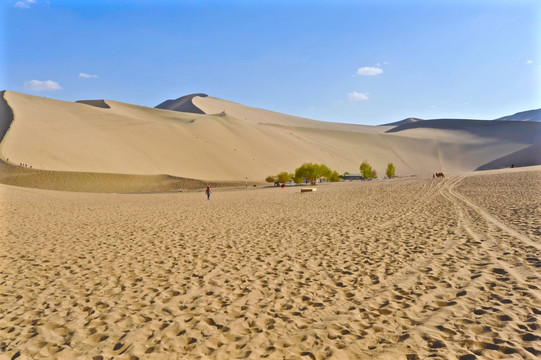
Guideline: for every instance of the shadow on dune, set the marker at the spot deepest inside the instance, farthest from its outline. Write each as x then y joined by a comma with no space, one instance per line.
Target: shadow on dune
182,104
519,131
96,103
529,156
6,116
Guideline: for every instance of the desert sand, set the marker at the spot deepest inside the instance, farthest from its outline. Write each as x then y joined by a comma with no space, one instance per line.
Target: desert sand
406,268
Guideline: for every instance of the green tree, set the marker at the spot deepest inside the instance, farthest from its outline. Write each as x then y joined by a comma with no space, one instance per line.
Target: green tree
366,170
283,177
391,170
374,174
270,179
312,172
298,179
335,177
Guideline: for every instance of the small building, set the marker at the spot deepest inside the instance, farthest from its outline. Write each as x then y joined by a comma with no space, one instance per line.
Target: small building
351,177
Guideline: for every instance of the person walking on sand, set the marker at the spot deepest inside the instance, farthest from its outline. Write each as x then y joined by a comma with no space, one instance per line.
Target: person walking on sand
208,192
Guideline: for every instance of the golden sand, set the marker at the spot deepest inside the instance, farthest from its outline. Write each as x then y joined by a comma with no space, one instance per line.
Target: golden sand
397,269
233,142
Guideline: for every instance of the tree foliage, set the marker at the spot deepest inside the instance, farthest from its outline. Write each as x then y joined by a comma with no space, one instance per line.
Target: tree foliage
270,179
312,172
391,170
366,170
283,177
298,179
335,177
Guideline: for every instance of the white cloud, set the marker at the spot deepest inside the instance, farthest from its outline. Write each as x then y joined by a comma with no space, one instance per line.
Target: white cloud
529,61
355,96
369,71
37,85
87,76
24,4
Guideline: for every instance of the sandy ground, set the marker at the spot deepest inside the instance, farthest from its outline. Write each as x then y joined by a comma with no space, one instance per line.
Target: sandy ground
103,182
398,269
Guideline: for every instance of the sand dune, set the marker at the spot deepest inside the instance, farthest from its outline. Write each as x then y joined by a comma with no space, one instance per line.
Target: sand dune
529,156
183,104
6,117
232,142
101,182
211,105
530,115
97,103
518,131
398,269
402,122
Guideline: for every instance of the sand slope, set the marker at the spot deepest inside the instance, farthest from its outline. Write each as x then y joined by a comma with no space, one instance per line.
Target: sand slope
232,142
398,269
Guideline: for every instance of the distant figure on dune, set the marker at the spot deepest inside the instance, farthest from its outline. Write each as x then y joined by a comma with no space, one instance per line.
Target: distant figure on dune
440,174
208,192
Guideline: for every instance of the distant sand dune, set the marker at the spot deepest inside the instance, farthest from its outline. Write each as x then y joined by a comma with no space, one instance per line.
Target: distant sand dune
519,131
231,143
529,156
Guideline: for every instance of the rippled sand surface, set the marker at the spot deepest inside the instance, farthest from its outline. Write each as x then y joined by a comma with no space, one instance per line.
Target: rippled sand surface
396,269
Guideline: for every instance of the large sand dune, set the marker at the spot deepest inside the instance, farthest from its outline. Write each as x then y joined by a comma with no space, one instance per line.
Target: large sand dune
232,142
398,269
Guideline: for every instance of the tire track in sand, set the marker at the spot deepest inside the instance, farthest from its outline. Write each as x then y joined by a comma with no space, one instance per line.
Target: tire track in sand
501,247
463,299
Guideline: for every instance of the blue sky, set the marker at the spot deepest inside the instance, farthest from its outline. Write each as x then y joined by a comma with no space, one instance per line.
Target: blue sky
364,62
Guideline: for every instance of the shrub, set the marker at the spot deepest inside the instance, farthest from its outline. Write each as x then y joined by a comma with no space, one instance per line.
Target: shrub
391,170
283,177
366,170
270,179
298,179
335,177
312,172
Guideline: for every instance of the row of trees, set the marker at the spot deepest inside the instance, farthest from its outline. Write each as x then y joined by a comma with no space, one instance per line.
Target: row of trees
313,172
368,173
309,171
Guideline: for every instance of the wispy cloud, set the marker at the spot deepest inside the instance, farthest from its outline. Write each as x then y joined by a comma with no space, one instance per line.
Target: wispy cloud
37,85
355,96
529,61
24,4
369,71
87,76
